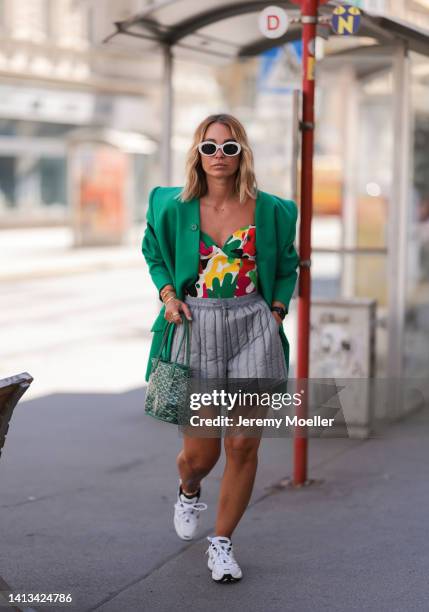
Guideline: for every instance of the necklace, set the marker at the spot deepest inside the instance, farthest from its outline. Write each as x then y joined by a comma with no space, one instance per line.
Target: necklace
218,207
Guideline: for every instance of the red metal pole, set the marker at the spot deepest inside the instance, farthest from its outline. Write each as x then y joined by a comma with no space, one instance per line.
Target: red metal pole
309,22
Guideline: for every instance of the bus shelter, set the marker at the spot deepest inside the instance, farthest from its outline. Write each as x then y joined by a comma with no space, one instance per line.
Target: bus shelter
374,93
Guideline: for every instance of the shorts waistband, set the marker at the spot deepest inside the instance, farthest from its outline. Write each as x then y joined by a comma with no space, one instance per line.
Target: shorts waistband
234,302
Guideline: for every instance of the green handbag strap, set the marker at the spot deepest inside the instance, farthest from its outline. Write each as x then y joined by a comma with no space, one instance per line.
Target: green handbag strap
185,335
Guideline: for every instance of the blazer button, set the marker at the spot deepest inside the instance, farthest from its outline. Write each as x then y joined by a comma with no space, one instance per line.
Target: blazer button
194,227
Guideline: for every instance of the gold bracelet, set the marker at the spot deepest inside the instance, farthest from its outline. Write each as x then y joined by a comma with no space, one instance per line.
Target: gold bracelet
167,295
165,292
173,297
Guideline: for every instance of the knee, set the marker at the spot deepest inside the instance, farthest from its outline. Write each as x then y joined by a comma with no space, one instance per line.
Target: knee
197,464
241,450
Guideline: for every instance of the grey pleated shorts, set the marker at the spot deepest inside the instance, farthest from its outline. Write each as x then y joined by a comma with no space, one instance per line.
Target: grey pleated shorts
232,338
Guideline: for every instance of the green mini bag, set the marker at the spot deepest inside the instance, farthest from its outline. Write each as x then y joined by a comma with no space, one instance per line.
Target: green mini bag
167,390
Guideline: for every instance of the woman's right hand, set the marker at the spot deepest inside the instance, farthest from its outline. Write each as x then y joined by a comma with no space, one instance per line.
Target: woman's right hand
173,309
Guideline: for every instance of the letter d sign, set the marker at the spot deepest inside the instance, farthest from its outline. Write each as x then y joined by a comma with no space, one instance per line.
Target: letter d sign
273,22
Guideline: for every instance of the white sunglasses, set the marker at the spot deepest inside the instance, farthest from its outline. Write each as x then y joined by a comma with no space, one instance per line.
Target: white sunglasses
230,148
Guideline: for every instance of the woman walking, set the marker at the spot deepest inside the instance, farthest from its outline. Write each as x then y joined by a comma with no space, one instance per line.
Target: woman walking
220,252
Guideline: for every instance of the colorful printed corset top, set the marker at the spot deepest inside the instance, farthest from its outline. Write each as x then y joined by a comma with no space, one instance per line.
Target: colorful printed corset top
229,271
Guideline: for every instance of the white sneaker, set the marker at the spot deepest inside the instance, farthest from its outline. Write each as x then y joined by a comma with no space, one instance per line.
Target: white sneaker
221,561
186,516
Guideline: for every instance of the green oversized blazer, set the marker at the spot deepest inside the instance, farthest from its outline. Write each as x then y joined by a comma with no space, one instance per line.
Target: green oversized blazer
171,249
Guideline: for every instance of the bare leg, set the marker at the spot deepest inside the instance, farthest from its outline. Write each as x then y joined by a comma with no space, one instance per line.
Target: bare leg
196,460
237,482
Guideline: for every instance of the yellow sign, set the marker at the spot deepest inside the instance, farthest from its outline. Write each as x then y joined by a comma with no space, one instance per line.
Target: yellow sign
346,20
310,68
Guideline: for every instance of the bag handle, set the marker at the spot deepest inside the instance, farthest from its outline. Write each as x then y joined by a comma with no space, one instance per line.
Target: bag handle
185,335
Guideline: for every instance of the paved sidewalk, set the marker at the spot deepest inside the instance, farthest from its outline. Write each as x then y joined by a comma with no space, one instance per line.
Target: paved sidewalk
88,485
31,253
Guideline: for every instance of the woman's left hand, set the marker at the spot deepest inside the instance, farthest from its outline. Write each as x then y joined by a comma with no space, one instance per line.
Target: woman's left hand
276,314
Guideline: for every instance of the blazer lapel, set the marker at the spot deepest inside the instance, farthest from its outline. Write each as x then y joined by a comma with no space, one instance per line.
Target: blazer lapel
265,245
187,244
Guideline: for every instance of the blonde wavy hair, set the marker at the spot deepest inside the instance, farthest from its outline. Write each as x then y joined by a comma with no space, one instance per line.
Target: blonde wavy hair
196,183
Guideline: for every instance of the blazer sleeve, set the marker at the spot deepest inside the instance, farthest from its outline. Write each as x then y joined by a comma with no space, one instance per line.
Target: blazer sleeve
288,259
151,249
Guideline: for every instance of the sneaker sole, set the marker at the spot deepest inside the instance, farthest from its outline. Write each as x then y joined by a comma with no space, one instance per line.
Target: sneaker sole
225,577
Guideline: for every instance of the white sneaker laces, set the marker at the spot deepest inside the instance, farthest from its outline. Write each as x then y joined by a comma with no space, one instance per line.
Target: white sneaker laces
184,509
223,552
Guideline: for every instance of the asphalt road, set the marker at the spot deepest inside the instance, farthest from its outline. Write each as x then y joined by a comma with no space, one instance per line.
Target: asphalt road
86,332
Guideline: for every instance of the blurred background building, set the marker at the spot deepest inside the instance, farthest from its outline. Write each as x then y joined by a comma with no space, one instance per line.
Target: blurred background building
56,77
